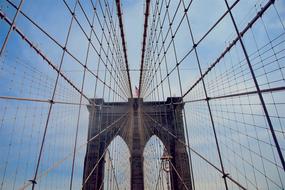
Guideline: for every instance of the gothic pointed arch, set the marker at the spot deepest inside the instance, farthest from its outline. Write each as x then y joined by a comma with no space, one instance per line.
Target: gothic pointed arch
136,122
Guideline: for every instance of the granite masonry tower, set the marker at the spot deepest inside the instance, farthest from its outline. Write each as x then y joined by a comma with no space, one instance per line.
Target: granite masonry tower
136,122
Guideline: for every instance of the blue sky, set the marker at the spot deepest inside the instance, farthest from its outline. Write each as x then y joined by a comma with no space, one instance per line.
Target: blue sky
24,74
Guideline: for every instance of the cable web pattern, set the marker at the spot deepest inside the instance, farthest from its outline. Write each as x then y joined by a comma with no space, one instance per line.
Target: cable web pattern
220,62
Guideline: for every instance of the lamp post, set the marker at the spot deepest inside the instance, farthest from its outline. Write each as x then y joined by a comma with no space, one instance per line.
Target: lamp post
165,159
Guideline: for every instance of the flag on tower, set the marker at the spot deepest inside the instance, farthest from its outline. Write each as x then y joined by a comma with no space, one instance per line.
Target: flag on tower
137,91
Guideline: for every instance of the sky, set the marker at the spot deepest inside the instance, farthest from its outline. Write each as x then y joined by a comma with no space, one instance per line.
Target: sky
240,121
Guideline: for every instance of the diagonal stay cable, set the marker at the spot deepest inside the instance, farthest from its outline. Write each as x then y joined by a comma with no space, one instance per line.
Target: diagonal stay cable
106,38
112,30
58,163
113,168
18,9
250,24
253,75
86,36
60,45
228,48
119,11
179,176
103,154
191,50
144,43
194,151
39,52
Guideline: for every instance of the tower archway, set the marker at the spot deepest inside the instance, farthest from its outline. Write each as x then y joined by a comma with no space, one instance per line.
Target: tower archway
117,166
136,122
156,171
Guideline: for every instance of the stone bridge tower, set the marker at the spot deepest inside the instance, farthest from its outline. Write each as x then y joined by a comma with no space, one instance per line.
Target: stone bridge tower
137,119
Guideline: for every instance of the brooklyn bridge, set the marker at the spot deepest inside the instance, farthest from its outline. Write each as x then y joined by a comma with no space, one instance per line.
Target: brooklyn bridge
134,95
